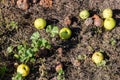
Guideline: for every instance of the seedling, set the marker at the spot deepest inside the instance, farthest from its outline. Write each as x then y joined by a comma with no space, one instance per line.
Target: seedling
40,23
53,30
102,63
59,70
38,42
3,69
17,76
60,75
113,41
12,25
25,52
10,49
81,57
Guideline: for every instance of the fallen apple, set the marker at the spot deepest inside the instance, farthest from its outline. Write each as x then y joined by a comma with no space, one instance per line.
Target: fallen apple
97,57
107,13
109,23
65,33
84,14
23,69
40,23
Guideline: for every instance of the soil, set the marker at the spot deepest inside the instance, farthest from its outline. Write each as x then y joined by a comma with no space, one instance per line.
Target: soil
85,40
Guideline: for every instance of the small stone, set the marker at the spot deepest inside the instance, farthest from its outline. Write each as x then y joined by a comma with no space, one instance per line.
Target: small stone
88,21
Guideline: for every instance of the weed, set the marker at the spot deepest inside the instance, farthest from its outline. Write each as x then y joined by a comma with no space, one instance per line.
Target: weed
102,63
12,25
17,76
3,69
10,49
25,52
53,30
113,41
81,57
60,75
39,42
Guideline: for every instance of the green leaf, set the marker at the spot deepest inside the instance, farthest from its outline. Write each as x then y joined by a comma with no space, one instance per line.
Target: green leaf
3,69
103,63
35,36
48,46
10,49
61,72
81,57
29,52
53,30
44,41
32,60
14,25
22,50
16,56
45,44
35,49
19,47
39,43
18,76
49,28
113,41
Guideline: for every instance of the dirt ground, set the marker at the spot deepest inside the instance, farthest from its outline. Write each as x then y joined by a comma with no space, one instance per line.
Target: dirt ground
85,40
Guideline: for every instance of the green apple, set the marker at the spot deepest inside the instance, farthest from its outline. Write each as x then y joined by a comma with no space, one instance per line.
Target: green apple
109,23
107,13
40,23
84,14
65,33
23,69
97,57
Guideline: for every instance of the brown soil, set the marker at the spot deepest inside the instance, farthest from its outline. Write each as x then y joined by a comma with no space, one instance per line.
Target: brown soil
84,40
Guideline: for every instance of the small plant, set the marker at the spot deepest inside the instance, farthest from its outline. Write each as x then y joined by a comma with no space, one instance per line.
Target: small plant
17,76
3,69
113,41
38,42
12,25
10,49
59,70
53,30
102,63
26,52
81,57
60,75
